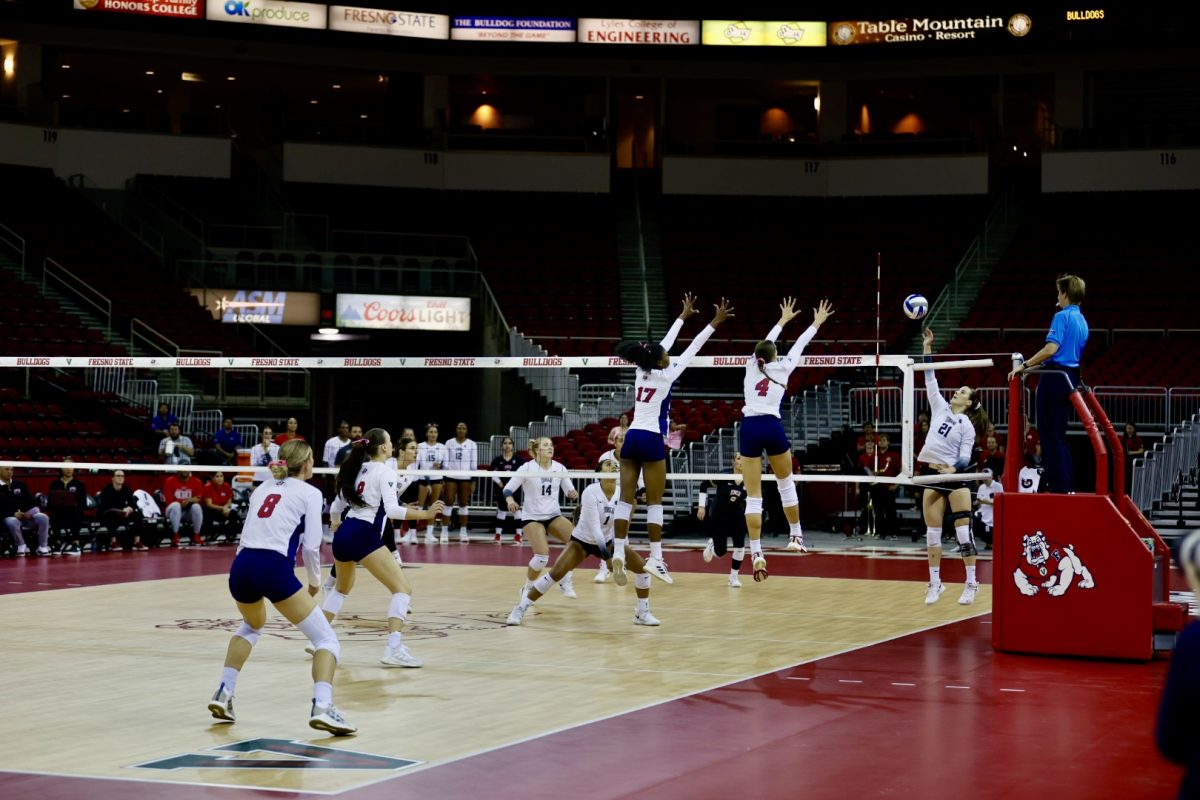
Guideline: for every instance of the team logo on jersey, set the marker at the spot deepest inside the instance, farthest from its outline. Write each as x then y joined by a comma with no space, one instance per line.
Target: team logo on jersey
1051,566
278,754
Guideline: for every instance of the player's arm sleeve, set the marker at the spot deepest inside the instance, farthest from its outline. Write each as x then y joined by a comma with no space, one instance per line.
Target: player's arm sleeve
338,506
966,448
472,458
589,512
686,356
668,341
936,401
568,485
801,343
514,482
1058,329
312,539
774,333
391,504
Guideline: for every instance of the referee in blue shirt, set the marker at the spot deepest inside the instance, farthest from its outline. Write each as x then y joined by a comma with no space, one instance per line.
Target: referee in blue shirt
1064,345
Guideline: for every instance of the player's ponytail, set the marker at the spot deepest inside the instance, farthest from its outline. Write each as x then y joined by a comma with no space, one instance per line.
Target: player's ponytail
978,416
764,353
360,450
645,355
293,455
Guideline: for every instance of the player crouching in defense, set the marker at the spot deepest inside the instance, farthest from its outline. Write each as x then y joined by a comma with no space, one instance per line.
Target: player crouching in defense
284,512
593,536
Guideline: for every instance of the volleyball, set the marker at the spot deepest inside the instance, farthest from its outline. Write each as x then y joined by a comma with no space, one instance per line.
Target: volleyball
915,306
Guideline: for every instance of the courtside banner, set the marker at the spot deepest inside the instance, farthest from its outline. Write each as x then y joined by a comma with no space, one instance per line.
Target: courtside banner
389,23
397,312
639,31
187,9
426,362
268,12
261,307
928,29
763,34
513,29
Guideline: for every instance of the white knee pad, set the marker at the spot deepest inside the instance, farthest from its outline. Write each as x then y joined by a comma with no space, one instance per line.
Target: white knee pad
333,601
654,515
962,532
320,633
543,583
624,510
933,537
249,634
739,553
641,581
399,606
753,505
787,493
539,562
500,514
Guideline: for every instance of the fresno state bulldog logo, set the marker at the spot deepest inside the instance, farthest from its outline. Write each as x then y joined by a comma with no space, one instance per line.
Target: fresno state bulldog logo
1050,566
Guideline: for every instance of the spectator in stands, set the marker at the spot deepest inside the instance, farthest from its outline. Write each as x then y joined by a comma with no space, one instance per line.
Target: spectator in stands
264,453
226,442
675,434
868,433
66,503
175,448
985,500
356,432
20,512
990,430
1176,733
883,496
163,419
1031,446
183,495
219,518
922,435
290,433
619,429
1132,442
116,507
992,454
1064,346
336,443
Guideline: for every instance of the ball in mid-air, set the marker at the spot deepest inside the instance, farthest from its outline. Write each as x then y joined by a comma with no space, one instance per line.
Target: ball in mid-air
915,306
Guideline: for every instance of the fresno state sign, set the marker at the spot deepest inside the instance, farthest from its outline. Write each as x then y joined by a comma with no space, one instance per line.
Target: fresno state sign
190,9
396,312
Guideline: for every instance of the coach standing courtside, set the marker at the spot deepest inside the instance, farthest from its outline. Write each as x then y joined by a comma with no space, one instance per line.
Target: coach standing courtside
1064,345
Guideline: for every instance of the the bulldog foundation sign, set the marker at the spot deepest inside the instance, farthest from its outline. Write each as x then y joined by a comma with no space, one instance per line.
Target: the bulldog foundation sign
397,312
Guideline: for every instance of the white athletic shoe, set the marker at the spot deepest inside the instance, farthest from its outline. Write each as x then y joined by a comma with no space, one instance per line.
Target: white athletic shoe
410,537
328,584
525,589
515,616
328,718
603,574
796,545
22,549
463,538
620,577
760,568
968,595
710,551
400,657
430,537
658,568
221,705
445,536
645,618
734,583
567,587
932,593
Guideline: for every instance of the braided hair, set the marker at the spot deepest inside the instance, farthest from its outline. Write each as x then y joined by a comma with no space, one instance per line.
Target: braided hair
764,353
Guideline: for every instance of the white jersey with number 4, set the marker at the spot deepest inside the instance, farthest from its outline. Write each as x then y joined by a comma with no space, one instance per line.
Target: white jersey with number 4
951,436
540,494
282,516
596,515
461,455
652,390
764,393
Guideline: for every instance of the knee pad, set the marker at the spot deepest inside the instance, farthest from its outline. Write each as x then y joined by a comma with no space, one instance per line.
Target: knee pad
333,601
967,549
543,583
249,634
739,553
933,536
960,518
641,581
753,505
320,633
624,510
654,515
500,514
539,562
398,608
787,493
